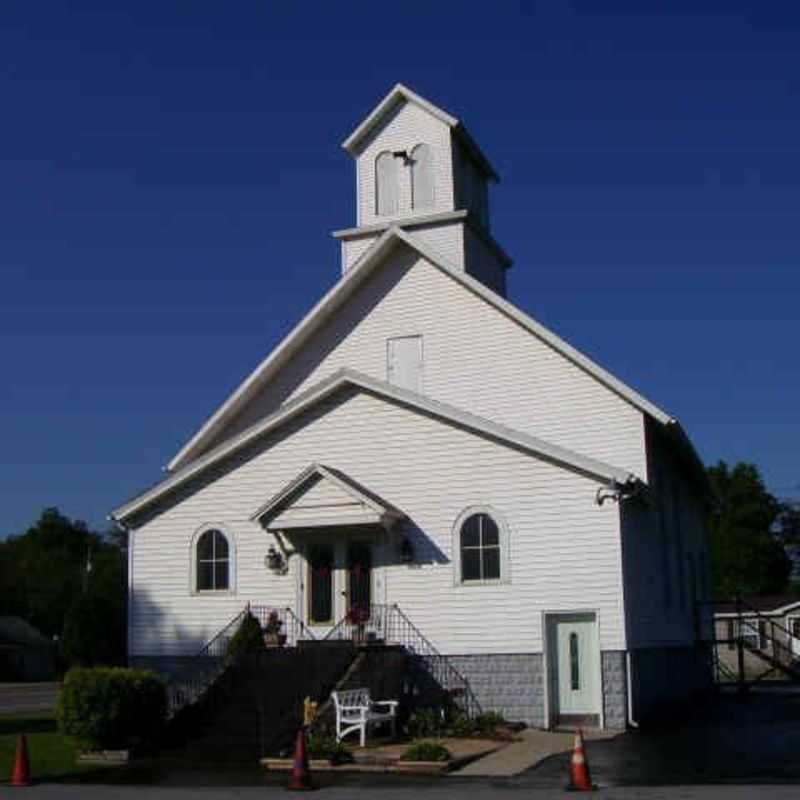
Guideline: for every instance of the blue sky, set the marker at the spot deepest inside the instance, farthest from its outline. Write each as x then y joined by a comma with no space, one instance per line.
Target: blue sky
170,173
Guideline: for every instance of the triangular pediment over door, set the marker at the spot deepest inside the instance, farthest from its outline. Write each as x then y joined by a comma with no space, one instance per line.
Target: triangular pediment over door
322,496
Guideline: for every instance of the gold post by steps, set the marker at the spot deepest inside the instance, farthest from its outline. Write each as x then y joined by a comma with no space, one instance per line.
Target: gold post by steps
309,711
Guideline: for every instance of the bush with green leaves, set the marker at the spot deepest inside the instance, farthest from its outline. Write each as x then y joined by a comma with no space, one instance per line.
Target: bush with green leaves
489,721
247,639
111,707
322,746
426,751
426,722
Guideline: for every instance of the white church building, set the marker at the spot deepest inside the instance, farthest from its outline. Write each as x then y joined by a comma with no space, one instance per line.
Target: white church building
417,440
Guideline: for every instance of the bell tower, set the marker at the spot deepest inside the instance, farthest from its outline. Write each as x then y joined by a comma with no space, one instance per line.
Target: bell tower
418,168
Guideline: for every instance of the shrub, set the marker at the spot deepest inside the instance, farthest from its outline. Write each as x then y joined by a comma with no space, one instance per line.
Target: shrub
111,707
425,751
425,722
247,639
462,726
322,746
489,721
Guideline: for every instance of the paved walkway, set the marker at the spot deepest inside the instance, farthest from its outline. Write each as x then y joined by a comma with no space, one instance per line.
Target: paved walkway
20,697
534,746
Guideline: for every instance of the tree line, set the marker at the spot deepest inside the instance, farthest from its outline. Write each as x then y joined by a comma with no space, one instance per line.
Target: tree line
69,582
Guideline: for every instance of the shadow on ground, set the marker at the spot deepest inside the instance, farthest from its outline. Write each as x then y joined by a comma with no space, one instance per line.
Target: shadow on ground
729,739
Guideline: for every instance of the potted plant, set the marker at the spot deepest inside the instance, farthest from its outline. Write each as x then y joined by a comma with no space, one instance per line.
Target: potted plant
357,617
273,637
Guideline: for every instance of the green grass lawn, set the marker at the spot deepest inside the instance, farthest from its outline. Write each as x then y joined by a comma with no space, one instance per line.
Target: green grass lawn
52,757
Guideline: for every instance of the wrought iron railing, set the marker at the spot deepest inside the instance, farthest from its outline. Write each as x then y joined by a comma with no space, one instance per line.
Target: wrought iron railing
387,624
750,630
210,662
291,628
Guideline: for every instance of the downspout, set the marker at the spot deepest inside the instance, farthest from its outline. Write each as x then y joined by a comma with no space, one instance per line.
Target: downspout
628,671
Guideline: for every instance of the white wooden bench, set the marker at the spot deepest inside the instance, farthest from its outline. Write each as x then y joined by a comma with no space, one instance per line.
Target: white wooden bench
356,711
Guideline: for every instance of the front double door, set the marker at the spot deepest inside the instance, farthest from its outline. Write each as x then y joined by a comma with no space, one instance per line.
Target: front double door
339,577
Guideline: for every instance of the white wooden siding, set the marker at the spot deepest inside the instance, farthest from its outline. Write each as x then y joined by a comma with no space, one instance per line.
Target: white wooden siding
564,548
476,358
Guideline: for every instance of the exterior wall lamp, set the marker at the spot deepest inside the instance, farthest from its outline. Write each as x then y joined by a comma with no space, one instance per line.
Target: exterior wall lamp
275,561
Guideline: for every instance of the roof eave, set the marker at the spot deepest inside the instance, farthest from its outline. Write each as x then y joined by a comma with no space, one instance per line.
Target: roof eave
597,470
396,94
348,283
400,93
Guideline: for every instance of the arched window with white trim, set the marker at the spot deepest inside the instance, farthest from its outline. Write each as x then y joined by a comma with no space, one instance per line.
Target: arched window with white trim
387,200
212,562
422,190
480,547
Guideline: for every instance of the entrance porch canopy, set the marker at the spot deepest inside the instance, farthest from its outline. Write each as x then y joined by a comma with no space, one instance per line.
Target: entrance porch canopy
320,497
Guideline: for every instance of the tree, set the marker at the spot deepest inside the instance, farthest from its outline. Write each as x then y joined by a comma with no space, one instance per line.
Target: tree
748,557
43,574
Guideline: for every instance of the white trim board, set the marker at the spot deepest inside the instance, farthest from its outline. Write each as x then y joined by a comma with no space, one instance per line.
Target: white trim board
605,473
400,94
339,293
375,509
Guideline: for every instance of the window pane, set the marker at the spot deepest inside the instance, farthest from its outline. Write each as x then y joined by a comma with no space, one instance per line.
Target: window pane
574,663
321,584
491,563
470,565
470,532
205,576
359,563
221,575
220,545
205,546
489,529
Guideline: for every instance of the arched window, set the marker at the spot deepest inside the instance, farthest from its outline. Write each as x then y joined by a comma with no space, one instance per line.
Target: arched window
212,562
422,177
386,188
480,547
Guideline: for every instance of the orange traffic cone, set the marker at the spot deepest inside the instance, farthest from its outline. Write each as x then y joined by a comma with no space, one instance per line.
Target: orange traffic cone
579,767
21,774
301,774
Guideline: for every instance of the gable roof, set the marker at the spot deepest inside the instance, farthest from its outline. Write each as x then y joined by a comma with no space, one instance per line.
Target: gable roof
561,456
337,295
402,94
364,506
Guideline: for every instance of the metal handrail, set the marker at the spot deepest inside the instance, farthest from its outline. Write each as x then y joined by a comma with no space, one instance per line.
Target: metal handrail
752,623
294,629
210,661
217,645
389,625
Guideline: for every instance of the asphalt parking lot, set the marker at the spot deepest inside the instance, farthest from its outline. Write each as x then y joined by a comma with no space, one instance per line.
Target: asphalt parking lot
722,747
753,739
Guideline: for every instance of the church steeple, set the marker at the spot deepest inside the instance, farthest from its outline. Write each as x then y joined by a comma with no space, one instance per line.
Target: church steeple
418,168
